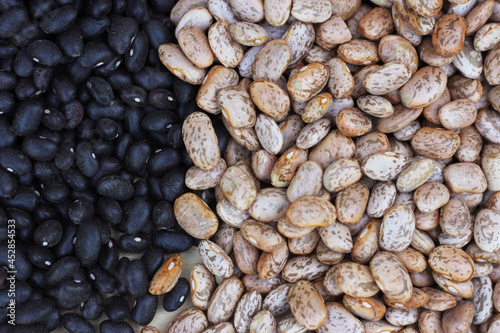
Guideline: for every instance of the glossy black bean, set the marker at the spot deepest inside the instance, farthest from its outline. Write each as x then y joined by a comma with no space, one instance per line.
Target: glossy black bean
70,41
27,118
157,33
162,99
136,278
134,95
152,259
108,326
110,210
78,73
45,52
101,279
25,180
12,21
7,49
107,128
65,247
65,156
77,180
6,133
120,276
102,147
51,135
95,54
43,213
176,297
73,113
158,121
23,64
86,130
69,294
92,308
115,187
115,110
163,215
45,170
55,190
137,156
42,78
53,119
38,8
144,309
40,256
7,104
93,27
172,241
109,67
34,311
7,80
39,148
48,234
174,136
100,90
99,7
116,308
121,34
138,10
81,210
27,34
86,160
109,255
63,269
25,89
138,211
59,20
151,78
22,218
81,276
52,320
134,243
8,184
64,87
88,242
75,323
132,123
172,184
25,198
136,57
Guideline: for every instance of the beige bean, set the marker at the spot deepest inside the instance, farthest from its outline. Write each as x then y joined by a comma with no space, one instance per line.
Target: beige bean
459,318
307,305
347,212
465,178
353,122
178,63
317,107
194,216
238,188
431,80
368,308
311,212
270,204
453,263
308,81
334,146
237,107
421,25
224,300
332,32
194,44
271,61
359,52
337,237
340,320
391,277
354,279
316,11
384,166
415,175
401,117
202,286
341,173
199,179
191,320
218,77
166,276
366,243
215,259
269,98
455,218
201,141
485,227
300,38
304,268
435,143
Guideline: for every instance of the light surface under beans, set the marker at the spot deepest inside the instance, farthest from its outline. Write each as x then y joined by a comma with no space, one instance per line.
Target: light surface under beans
358,190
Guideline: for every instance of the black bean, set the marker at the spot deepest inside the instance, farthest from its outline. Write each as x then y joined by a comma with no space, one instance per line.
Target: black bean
65,156
141,188
132,123
122,33
12,21
95,54
172,184
153,77
110,210
63,269
120,276
108,326
70,41
152,259
7,104
86,159
136,278
101,279
172,241
25,198
137,156
163,215
53,119
115,110
81,276
100,90
27,118
69,294
109,255
23,64
136,57
107,128
45,52
40,257
59,20
93,27
137,213
73,112
65,247
158,121
161,6
39,148
174,136
6,133
23,293
222,135
27,34
26,179
133,243
77,72
115,187
7,49
162,99
42,78
7,80
157,33
39,8
14,161
92,308
104,229
88,242
80,211
64,87
8,184
33,311
25,89
144,309
48,234
138,10
119,6
102,147
52,320
99,7
176,297
75,323
116,308
55,190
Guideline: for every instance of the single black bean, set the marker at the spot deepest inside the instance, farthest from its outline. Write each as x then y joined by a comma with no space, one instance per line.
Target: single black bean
39,148
95,54
100,90
73,112
121,34
33,311
7,105
37,278
76,179
107,128
70,41
86,159
64,87
7,80
65,247
176,297
138,10
92,308
88,242
48,234
115,110
78,73
22,218
108,326
69,294
141,188
101,279
161,6
8,184
110,210
174,136
26,179
6,133
53,119
65,156
27,118
138,211
162,99
159,121
42,78
102,147
157,33
136,278
52,320
137,156
63,269
55,190
12,21
163,215
109,255
93,27
120,275
99,7
116,308
75,323
43,213
104,229
115,187
132,123
40,257
45,52
81,210
59,20
153,258
136,57
144,309
172,184
25,89
23,64
172,241
151,78
133,243
223,135
134,95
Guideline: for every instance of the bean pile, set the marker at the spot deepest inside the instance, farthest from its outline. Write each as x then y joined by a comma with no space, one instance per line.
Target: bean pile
360,189
91,161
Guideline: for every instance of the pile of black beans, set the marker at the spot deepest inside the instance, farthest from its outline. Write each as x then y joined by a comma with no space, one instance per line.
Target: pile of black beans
91,161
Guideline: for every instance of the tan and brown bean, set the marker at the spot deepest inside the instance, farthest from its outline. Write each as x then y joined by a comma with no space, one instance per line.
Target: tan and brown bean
391,277
269,98
224,300
304,268
311,211
174,59
353,279
424,87
202,286
359,52
166,276
215,259
191,320
366,243
249,305
334,146
307,305
368,308
194,216
435,143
